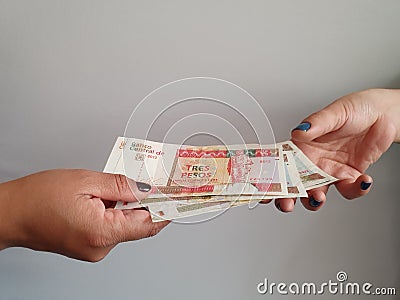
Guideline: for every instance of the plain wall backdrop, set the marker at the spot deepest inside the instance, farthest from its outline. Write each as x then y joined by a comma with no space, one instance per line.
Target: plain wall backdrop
71,73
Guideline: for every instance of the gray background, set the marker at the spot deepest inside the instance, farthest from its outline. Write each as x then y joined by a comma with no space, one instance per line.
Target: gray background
72,71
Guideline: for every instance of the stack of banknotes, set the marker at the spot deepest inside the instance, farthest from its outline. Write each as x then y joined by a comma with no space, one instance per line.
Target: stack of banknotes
193,180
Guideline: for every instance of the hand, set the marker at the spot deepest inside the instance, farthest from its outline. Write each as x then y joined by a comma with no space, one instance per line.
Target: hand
345,138
70,212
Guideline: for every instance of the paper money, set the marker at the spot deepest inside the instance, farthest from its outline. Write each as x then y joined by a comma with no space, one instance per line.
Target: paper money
161,212
229,170
311,176
294,183
176,170
181,207
191,180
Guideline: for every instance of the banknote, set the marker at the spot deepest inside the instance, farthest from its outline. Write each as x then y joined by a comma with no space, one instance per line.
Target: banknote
294,186
172,211
192,180
181,170
311,175
294,183
148,202
181,207
200,199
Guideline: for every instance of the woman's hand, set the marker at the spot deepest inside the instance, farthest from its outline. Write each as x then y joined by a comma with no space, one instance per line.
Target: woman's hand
70,212
346,137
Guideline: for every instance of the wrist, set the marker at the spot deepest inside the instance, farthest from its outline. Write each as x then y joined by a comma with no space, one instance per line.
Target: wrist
387,103
4,222
393,110
10,228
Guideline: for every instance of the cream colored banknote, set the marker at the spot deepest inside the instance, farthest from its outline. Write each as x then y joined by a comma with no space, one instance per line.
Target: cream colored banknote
172,211
294,186
180,170
311,175
192,180
294,182
181,207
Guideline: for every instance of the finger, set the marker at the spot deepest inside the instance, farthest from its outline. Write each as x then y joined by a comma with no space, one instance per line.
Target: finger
131,224
116,187
316,198
285,204
351,189
322,122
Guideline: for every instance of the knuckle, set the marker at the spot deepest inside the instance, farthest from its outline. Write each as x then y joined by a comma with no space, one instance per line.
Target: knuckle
121,184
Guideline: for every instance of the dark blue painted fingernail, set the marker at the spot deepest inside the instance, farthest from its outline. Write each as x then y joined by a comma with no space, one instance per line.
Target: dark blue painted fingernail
278,206
313,202
365,185
303,126
143,187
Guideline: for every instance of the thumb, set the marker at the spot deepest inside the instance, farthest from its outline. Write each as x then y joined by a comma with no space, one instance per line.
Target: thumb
117,187
320,123
129,225
140,225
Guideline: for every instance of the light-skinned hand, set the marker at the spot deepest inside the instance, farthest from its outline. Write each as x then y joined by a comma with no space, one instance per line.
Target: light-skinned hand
345,138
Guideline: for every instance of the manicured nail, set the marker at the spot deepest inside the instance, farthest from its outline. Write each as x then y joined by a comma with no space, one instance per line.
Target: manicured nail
303,126
143,187
313,202
278,206
365,185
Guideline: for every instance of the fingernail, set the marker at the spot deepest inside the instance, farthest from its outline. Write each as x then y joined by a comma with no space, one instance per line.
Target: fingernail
313,202
278,206
143,187
365,185
303,126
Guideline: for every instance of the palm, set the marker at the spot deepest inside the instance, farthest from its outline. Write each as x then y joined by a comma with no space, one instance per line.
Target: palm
347,153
